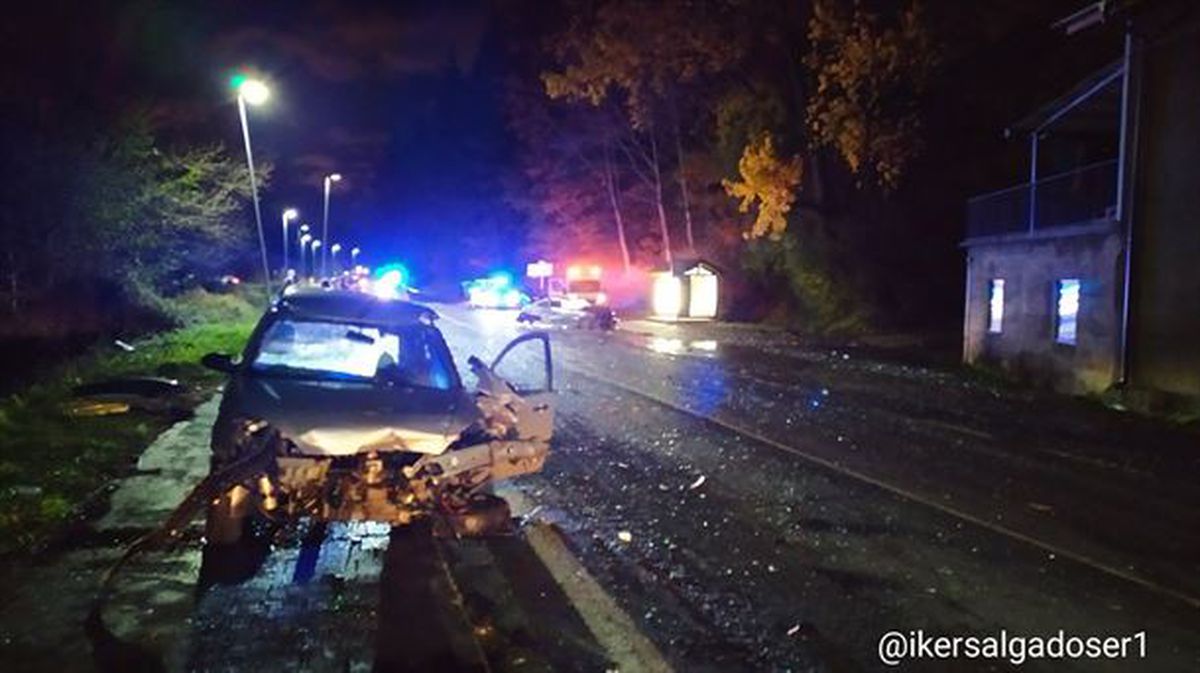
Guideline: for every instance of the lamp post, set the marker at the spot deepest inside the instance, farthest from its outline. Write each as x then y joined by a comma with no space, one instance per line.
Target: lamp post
354,256
316,245
254,92
289,214
303,230
304,239
329,180
333,251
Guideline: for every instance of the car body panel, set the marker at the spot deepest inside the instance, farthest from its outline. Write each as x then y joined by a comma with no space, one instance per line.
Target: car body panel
340,418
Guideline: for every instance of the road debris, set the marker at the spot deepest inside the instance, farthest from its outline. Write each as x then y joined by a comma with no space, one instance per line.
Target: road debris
119,396
88,408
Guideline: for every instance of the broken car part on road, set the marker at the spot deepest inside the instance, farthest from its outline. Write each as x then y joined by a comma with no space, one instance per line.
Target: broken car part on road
118,396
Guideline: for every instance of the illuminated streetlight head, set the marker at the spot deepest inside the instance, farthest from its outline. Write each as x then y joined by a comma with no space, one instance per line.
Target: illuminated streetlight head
252,91
334,177
317,243
355,250
290,214
335,248
305,239
303,228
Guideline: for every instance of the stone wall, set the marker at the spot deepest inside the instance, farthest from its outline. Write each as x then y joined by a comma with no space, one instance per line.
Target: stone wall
1030,267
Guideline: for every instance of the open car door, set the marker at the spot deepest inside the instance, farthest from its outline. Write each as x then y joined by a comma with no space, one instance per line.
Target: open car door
521,379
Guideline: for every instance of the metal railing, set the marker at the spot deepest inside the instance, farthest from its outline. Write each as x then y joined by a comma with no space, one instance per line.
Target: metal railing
1079,196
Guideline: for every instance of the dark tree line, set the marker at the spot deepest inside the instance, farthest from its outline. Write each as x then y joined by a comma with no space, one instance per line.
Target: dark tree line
99,188
786,140
727,128
117,206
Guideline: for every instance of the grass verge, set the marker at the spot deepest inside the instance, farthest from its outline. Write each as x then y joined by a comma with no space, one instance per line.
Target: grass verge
51,463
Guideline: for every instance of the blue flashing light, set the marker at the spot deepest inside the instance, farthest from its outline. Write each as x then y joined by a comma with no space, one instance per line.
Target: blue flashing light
496,290
391,281
393,270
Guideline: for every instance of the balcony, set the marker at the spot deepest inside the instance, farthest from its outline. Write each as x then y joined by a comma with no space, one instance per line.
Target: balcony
1078,197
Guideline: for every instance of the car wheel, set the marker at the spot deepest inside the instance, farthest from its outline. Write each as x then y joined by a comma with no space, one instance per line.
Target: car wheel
484,515
239,556
226,519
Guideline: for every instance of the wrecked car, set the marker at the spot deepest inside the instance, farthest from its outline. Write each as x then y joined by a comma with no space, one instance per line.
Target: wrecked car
344,406
567,313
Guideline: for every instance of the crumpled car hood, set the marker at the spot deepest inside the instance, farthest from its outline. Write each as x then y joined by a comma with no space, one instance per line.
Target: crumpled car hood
338,418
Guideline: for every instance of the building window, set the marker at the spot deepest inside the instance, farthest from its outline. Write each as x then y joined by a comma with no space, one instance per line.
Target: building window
995,305
1065,331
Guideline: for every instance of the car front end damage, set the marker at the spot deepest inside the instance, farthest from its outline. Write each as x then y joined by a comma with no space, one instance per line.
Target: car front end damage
346,408
384,474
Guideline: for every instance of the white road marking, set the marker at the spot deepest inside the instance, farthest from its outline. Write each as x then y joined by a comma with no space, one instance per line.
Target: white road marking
609,624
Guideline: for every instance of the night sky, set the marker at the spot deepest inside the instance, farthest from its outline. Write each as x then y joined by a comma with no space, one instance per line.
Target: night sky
404,104
406,101
402,99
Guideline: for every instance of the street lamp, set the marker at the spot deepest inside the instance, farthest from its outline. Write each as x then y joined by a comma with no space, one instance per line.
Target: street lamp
354,256
329,180
289,214
303,230
253,92
333,251
304,239
316,245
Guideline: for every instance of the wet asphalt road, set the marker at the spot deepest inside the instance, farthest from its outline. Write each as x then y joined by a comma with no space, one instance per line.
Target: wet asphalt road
843,496
718,499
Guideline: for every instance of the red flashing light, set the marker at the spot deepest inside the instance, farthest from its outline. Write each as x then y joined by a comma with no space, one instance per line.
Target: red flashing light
578,272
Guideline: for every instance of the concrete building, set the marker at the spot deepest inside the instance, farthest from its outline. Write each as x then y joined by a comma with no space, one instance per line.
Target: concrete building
1087,275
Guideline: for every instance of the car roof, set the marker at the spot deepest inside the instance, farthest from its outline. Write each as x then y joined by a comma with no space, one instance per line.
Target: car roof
350,306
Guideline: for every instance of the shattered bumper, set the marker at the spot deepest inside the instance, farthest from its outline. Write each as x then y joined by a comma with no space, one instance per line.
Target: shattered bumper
391,487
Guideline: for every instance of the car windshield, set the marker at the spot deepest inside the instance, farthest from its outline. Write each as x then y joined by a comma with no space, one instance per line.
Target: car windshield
412,355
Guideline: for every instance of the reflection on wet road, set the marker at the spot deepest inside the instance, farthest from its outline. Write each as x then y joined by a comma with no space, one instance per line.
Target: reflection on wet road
844,496
717,499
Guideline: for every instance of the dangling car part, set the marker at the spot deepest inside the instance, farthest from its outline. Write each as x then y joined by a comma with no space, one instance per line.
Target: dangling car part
363,417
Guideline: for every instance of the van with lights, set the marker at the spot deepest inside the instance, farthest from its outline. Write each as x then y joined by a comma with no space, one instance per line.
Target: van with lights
583,285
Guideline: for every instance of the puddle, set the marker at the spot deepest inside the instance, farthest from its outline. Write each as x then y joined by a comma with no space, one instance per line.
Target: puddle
672,346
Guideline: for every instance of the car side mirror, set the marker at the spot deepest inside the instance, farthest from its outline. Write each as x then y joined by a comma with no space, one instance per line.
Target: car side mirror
220,362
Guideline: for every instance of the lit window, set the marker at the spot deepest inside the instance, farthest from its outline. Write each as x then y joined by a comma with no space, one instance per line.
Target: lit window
1068,311
995,305
667,298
